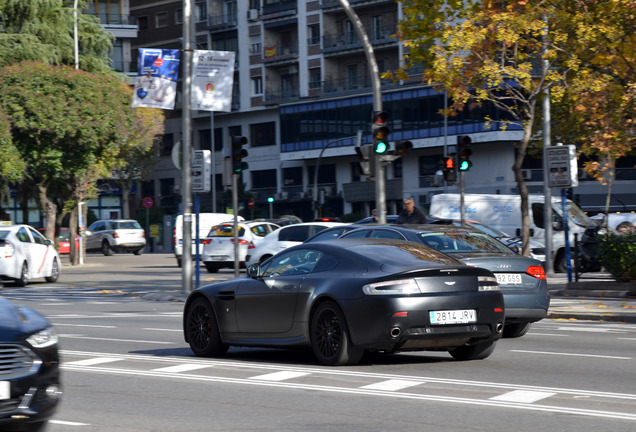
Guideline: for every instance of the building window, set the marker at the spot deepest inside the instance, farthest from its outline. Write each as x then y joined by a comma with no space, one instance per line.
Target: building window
201,11
166,144
313,31
264,179
257,86
263,134
314,78
142,23
397,168
377,27
178,16
352,76
218,139
355,172
205,139
117,55
161,20
256,46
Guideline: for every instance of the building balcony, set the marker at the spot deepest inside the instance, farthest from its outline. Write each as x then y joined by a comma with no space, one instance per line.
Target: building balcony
275,97
344,86
116,20
346,42
222,22
280,54
283,7
335,4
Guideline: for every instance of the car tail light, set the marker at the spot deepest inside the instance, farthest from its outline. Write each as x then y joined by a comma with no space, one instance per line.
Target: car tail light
536,271
207,241
115,234
143,234
241,241
487,283
392,287
251,245
8,249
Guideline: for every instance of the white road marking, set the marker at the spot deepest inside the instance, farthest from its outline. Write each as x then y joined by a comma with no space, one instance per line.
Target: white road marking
573,354
68,423
279,376
70,336
163,329
522,396
93,361
83,325
180,368
391,385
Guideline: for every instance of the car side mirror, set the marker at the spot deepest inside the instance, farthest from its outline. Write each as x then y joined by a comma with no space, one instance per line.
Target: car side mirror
254,271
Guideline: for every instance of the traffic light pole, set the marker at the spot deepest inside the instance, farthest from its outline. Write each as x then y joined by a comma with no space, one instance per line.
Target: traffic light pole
374,72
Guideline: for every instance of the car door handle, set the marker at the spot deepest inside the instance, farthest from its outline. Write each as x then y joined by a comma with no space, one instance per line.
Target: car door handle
289,287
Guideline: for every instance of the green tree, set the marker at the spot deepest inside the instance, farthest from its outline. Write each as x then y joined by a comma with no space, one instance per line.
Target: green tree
67,125
506,53
138,154
43,30
11,164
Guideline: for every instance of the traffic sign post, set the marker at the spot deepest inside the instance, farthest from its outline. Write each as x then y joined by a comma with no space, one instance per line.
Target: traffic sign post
201,171
562,168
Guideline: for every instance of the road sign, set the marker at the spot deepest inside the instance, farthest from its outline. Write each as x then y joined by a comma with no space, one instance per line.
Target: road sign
147,202
561,165
201,171
250,203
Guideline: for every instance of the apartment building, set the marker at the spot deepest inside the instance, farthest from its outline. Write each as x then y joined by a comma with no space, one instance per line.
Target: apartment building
302,90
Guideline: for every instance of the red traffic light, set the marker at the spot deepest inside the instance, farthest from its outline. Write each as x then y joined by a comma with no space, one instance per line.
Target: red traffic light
449,163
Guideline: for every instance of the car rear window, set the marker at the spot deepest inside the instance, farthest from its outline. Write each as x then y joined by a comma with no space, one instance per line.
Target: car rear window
4,234
126,225
225,230
461,242
402,254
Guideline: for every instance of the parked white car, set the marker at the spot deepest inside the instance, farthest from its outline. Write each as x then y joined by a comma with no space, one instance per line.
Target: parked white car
116,235
218,246
26,254
285,237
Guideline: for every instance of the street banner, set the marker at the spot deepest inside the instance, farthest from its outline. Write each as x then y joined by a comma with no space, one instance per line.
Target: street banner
213,79
157,75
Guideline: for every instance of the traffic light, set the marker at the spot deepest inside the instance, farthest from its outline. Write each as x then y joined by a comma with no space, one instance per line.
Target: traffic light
463,153
366,164
238,153
380,132
402,147
450,175
270,199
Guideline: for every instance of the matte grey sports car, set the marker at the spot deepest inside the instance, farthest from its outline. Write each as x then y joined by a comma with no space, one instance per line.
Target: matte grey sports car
522,279
341,298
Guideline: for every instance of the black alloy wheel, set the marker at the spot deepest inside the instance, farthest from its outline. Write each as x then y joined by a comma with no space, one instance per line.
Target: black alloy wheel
55,272
203,331
23,280
330,338
106,248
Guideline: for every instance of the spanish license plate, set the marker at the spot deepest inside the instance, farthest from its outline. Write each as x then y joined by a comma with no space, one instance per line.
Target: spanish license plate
462,316
5,390
220,258
508,278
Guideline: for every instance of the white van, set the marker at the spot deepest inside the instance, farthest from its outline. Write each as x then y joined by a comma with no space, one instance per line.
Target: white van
504,212
206,222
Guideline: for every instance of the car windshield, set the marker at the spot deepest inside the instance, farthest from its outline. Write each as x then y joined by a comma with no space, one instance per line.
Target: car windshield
463,242
126,225
225,230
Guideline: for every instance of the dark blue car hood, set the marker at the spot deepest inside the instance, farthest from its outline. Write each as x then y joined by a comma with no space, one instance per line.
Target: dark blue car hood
18,321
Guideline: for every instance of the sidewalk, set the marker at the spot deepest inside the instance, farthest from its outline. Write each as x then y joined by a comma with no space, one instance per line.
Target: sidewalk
596,296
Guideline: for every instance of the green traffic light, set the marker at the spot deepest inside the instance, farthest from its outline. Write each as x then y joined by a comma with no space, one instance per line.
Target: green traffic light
381,147
465,165
270,199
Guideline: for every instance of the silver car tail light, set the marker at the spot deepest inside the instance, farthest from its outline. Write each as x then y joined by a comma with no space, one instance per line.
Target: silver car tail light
392,287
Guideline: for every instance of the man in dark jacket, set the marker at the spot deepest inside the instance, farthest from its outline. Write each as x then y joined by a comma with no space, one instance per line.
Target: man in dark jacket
411,214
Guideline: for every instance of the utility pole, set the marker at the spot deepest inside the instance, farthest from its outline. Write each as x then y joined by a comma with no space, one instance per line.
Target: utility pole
186,180
374,72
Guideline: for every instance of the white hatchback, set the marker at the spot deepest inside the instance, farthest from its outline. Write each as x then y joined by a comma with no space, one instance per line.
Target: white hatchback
218,246
26,254
285,237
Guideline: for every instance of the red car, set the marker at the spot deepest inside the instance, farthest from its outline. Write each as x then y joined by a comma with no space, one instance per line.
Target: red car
64,244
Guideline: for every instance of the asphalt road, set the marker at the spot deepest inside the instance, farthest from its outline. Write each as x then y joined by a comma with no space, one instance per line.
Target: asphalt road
127,368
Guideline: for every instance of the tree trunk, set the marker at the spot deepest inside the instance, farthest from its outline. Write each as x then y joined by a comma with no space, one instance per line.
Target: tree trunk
521,184
125,198
49,209
72,232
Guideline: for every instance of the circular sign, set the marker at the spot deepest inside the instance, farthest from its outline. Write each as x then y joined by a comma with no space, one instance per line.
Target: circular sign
250,203
147,202
159,62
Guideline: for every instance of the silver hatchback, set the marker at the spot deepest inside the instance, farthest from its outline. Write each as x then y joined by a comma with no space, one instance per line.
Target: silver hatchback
116,235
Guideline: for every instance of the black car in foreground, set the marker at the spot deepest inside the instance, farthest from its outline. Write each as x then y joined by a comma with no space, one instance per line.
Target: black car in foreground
29,368
342,298
522,279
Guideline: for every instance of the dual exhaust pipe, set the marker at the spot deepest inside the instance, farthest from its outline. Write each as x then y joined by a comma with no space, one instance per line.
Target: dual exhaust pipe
395,332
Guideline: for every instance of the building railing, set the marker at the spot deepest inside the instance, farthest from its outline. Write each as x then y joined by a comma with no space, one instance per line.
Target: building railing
223,21
114,19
